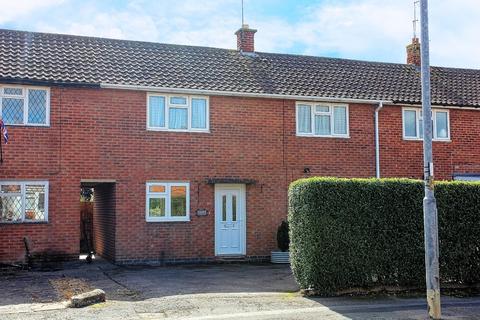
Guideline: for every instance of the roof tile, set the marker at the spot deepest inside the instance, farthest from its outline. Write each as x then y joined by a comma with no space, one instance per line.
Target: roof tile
29,56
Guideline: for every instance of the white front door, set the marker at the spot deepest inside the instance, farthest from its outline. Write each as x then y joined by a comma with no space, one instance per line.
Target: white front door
230,226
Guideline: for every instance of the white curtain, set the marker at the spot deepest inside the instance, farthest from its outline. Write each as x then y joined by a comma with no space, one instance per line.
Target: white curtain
178,100
304,119
156,110
441,125
199,113
177,118
322,125
340,120
420,128
410,123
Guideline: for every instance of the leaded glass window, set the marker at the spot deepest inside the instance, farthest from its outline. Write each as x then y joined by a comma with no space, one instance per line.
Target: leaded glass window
23,201
24,106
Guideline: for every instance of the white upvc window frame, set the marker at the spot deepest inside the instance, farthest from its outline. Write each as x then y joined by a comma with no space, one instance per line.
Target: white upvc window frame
187,106
313,111
419,117
25,96
23,184
168,197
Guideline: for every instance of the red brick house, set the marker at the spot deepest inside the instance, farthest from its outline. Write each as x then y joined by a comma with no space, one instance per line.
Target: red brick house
190,150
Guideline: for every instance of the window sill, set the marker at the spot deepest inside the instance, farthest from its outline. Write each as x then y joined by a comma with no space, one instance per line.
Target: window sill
27,125
316,136
149,220
22,222
178,130
167,220
421,139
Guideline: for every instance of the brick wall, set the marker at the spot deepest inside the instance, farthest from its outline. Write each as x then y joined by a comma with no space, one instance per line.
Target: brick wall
104,220
401,158
100,134
246,39
86,231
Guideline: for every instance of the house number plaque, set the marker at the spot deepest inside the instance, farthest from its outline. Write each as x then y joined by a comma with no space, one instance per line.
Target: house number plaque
201,212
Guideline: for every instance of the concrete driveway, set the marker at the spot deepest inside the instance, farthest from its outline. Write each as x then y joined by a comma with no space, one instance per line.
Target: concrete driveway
228,291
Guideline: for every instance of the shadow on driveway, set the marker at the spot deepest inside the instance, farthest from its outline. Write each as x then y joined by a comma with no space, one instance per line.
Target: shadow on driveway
211,292
135,283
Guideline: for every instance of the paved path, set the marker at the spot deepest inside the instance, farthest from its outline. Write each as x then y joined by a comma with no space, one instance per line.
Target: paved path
200,293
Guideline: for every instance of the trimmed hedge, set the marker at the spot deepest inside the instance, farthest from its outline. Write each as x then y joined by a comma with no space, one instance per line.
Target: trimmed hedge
348,233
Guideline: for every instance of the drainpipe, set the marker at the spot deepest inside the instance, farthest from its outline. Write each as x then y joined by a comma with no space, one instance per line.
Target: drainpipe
377,141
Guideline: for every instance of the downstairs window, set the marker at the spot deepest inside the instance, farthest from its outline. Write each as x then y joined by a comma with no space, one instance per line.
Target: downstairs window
23,201
168,201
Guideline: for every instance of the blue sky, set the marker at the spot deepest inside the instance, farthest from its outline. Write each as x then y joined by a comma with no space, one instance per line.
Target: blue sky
356,29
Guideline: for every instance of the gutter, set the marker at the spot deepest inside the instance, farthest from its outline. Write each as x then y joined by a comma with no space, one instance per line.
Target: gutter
377,141
238,94
47,83
438,106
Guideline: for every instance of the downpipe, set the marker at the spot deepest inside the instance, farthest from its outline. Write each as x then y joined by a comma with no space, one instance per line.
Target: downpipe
377,141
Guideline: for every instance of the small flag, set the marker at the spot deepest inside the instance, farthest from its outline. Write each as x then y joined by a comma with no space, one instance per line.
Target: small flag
3,131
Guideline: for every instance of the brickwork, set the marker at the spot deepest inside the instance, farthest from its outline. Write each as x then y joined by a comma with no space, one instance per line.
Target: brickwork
104,220
414,53
246,39
101,134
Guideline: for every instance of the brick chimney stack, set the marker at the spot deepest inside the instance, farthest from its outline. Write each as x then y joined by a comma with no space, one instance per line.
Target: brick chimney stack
246,39
413,52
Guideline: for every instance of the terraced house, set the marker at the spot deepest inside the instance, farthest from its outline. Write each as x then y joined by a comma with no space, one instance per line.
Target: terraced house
190,150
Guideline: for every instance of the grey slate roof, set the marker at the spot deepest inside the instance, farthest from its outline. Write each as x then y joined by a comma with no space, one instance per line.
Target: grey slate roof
28,57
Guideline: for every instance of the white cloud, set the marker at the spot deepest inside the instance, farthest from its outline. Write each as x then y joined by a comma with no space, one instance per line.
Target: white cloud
186,22
357,29
379,30
118,25
454,29
350,29
12,10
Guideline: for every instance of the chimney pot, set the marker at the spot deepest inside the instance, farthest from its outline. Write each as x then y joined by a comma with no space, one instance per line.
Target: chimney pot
413,52
245,39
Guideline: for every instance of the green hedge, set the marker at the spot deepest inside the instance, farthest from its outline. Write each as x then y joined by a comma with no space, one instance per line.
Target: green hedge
348,233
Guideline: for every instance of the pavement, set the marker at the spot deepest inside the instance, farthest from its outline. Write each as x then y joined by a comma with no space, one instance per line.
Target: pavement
226,291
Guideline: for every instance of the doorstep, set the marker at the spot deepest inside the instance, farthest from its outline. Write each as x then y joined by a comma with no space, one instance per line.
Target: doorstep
195,261
241,259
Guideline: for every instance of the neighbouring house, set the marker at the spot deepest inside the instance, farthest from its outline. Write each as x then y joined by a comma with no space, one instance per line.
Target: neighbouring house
190,150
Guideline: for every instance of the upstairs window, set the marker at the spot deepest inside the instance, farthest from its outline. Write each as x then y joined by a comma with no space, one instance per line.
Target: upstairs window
413,124
25,105
168,201
322,120
23,201
177,113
